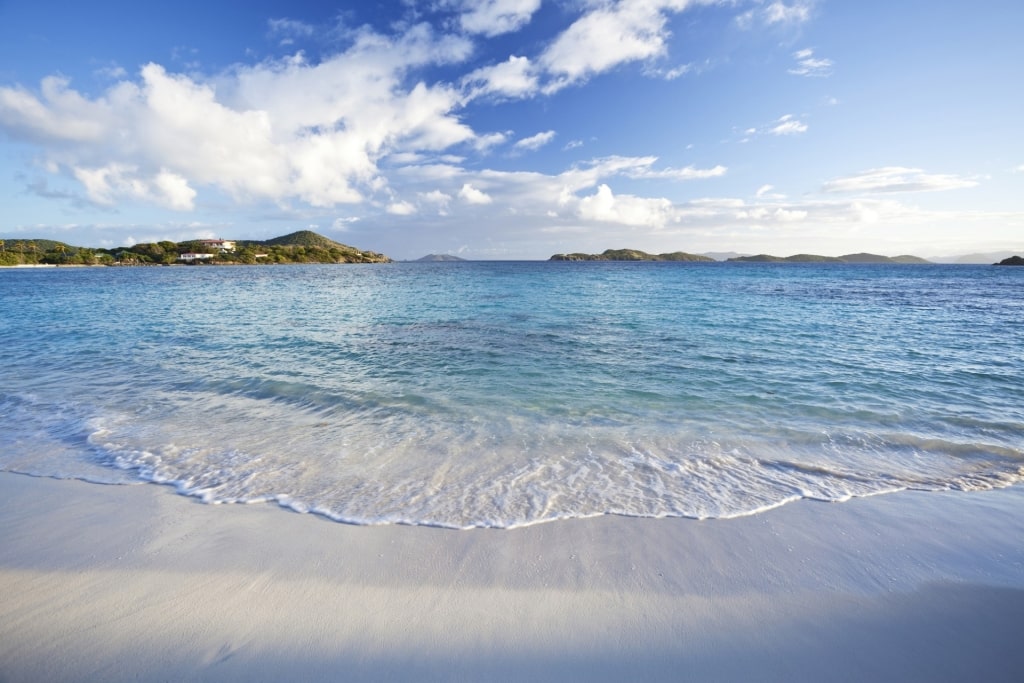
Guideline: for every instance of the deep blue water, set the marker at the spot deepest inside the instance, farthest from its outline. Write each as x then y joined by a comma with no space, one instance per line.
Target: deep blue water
504,394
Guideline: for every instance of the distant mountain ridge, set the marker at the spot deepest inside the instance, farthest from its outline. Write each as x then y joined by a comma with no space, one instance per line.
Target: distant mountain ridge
814,258
630,255
637,255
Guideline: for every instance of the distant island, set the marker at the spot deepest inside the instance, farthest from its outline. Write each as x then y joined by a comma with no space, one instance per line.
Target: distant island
1012,261
814,258
438,258
637,255
303,246
630,255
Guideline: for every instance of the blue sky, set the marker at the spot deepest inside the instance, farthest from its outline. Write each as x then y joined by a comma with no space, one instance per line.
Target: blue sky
504,129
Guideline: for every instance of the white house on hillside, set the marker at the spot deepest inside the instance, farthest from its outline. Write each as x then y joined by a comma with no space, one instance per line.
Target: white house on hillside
222,245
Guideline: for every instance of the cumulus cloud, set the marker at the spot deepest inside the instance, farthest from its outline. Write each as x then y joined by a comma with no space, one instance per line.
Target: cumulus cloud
401,208
110,184
59,114
535,141
897,179
604,206
471,195
494,17
437,198
277,130
809,65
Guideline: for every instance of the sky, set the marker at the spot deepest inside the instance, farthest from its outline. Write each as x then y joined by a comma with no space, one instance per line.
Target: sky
517,129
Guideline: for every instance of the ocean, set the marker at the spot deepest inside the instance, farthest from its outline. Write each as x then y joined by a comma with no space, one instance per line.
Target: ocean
504,394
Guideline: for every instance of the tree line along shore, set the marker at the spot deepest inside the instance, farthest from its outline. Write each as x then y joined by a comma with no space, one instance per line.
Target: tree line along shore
298,247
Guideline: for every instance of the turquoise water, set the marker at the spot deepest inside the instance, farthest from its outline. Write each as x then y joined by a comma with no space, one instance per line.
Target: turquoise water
506,394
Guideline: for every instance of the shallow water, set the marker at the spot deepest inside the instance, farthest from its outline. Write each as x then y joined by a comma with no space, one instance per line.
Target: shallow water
504,394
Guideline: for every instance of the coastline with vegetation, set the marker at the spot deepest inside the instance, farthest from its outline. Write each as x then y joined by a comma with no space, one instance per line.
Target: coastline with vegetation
303,246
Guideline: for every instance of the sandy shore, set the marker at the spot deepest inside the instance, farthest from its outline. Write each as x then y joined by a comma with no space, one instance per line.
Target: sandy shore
117,583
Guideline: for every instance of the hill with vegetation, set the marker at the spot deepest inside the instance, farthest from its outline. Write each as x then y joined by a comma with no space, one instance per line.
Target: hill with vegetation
298,247
630,255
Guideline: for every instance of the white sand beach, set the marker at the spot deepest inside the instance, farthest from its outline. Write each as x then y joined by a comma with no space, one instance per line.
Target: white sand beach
118,583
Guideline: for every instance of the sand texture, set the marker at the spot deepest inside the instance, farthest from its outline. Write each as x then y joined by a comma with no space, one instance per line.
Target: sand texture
119,583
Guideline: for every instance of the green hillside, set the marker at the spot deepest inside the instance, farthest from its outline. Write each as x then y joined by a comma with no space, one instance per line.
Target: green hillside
298,247
304,238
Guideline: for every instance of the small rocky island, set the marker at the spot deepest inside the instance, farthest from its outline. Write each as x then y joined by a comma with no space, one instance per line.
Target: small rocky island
1012,261
439,258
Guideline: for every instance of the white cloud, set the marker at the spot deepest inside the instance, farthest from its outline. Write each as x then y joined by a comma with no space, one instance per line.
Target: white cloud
436,197
765,191
787,125
789,215
401,208
60,115
110,184
604,206
897,179
781,13
775,12
511,78
342,223
285,31
809,65
280,130
686,173
439,199
784,125
535,142
471,195
676,72
486,141
608,35
494,17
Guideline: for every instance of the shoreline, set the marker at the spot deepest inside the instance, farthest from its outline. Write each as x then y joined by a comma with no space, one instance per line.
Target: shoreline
126,582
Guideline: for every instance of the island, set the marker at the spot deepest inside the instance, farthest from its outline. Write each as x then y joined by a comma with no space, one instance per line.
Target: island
630,255
814,258
304,246
1012,261
439,258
